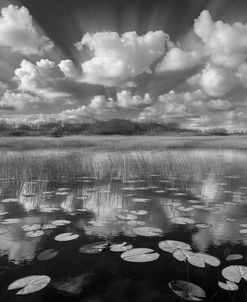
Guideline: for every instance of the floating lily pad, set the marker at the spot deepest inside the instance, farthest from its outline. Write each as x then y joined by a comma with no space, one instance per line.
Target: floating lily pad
120,247
148,231
200,260
140,255
139,213
11,221
66,237
235,273
3,213
7,200
140,200
182,220
203,225
30,284
185,209
127,217
60,222
47,254
234,257
35,234
135,223
29,228
230,286
187,290
3,231
171,246
94,248
48,226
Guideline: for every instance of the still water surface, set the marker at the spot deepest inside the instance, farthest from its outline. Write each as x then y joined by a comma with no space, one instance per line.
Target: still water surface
213,203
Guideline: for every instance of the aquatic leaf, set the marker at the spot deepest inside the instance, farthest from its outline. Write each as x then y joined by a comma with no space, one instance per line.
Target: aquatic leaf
3,213
60,222
30,284
140,255
140,200
11,221
148,231
139,213
120,247
3,231
200,260
171,246
187,290
29,228
230,286
48,226
127,217
243,231
243,225
235,273
34,234
135,223
182,220
203,226
183,255
94,248
185,209
66,237
99,223
233,257
7,200
47,254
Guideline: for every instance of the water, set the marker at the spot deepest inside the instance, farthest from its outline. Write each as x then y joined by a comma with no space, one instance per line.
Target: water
217,195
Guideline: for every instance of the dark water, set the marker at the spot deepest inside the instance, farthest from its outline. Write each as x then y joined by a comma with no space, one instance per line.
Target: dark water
92,206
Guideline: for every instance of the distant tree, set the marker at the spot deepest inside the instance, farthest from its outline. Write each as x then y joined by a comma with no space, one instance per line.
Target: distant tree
56,132
218,131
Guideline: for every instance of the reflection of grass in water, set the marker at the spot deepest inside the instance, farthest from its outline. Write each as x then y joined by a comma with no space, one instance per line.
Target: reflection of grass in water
68,165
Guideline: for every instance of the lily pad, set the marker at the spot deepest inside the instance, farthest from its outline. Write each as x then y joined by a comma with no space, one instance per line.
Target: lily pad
127,217
148,231
3,231
135,223
35,234
235,273
47,254
94,248
11,221
120,247
7,200
204,226
140,200
233,257
230,286
29,228
48,226
187,290
30,284
139,213
182,220
171,246
140,255
66,237
200,260
60,222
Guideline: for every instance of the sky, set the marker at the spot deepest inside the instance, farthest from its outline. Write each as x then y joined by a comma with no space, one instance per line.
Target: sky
166,61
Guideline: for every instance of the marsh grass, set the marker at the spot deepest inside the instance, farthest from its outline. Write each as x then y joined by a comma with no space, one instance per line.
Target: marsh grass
122,143
69,165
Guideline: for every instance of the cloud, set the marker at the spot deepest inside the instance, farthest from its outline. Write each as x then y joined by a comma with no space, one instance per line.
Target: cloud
68,68
18,33
119,58
126,100
178,59
217,81
40,78
225,44
20,101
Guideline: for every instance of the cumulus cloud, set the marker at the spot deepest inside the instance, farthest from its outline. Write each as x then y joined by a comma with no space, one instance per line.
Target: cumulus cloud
20,101
125,99
68,68
217,81
178,59
225,44
40,78
118,58
18,32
